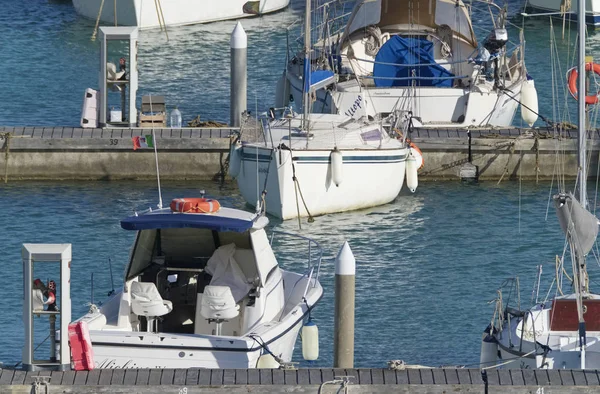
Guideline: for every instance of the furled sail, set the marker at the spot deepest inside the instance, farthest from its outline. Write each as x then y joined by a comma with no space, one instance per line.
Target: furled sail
580,225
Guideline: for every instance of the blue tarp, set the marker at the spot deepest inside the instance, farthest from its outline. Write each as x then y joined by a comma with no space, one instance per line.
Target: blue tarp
410,52
185,220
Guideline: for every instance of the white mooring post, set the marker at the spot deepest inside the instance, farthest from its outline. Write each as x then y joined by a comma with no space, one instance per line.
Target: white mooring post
32,307
345,276
239,75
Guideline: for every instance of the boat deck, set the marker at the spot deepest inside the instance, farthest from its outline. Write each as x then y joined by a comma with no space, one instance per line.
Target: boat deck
301,380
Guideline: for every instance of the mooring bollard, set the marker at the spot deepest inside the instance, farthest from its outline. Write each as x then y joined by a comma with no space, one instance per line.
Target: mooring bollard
239,75
343,343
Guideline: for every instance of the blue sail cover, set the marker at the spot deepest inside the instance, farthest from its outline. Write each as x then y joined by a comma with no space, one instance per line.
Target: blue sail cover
407,54
184,220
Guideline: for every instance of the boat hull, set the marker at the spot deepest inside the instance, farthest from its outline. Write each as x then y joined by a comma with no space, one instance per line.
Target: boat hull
592,7
143,13
370,178
436,107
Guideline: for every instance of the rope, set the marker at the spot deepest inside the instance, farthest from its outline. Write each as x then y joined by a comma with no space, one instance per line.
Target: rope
509,361
115,12
97,21
511,150
7,137
343,382
161,17
296,181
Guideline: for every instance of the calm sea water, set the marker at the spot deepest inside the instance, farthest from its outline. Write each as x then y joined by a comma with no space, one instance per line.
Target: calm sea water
427,264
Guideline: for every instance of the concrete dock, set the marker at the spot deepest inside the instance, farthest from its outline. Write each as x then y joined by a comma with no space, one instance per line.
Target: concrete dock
52,153
326,380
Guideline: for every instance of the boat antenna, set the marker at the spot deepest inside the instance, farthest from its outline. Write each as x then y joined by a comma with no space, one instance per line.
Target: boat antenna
112,282
160,201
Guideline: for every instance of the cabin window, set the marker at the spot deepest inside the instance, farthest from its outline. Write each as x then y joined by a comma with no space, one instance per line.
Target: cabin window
241,240
183,243
142,253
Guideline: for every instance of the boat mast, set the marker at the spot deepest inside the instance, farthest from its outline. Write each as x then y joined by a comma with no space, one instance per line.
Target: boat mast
581,162
306,95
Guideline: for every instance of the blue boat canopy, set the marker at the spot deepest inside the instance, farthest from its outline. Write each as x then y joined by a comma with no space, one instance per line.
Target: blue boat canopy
399,57
185,220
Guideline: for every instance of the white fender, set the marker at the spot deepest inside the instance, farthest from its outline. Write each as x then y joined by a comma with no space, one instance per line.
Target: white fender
310,341
267,361
489,351
412,178
529,103
336,160
235,160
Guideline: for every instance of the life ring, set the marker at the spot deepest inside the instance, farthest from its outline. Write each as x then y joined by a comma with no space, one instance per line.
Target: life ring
572,77
195,205
412,145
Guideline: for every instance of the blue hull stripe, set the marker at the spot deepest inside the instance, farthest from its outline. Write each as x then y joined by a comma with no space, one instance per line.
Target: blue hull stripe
325,159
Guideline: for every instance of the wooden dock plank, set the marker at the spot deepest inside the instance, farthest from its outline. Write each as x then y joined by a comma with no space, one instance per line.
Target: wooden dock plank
290,377
566,377
105,377
426,376
475,376
529,377
216,377
516,376
579,377
30,377
241,376
402,376
541,375
464,377
414,376
179,377
389,377
68,378
19,377
266,376
505,378
554,377
229,376
191,376
451,376
93,377
303,377
56,377
314,375
327,374
166,378
278,377
364,376
118,377
80,378
155,376
253,376
143,377
591,377
493,378
377,376
7,376
439,377
204,377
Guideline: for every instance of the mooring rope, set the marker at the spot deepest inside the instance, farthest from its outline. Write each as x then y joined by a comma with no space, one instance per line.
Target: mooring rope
6,137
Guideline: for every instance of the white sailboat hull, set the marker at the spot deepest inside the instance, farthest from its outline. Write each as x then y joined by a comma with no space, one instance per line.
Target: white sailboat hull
370,178
592,8
144,14
436,107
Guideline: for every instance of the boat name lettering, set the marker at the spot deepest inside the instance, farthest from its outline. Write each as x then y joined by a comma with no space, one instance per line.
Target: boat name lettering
352,110
263,170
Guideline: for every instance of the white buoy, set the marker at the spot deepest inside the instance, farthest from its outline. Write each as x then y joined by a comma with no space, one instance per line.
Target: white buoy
418,157
310,341
235,160
345,280
282,92
336,160
529,103
489,351
267,361
412,178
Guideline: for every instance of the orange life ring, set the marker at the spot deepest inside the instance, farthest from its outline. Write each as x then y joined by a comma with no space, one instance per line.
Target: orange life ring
589,99
195,205
415,147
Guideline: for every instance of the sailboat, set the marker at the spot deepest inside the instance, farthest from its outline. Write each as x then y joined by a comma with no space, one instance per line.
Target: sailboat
561,9
152,14
419,57
563,333
315,164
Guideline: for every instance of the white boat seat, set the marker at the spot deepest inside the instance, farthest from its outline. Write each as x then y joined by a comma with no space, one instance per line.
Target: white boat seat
218,305
146,301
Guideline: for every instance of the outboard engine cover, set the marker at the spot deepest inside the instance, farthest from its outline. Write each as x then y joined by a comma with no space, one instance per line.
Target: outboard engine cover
496,40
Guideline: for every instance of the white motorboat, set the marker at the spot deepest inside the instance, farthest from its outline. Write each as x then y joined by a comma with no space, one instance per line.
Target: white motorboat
416,56
561,10
149,14
338,164
561,331
203,288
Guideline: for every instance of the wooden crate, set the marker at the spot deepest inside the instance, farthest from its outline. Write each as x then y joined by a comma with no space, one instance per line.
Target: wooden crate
157,120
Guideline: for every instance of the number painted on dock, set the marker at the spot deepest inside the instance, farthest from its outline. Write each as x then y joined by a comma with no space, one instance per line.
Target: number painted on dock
183,390
114,141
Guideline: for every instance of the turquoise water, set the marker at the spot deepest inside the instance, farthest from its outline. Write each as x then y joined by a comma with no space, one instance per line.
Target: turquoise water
427,264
